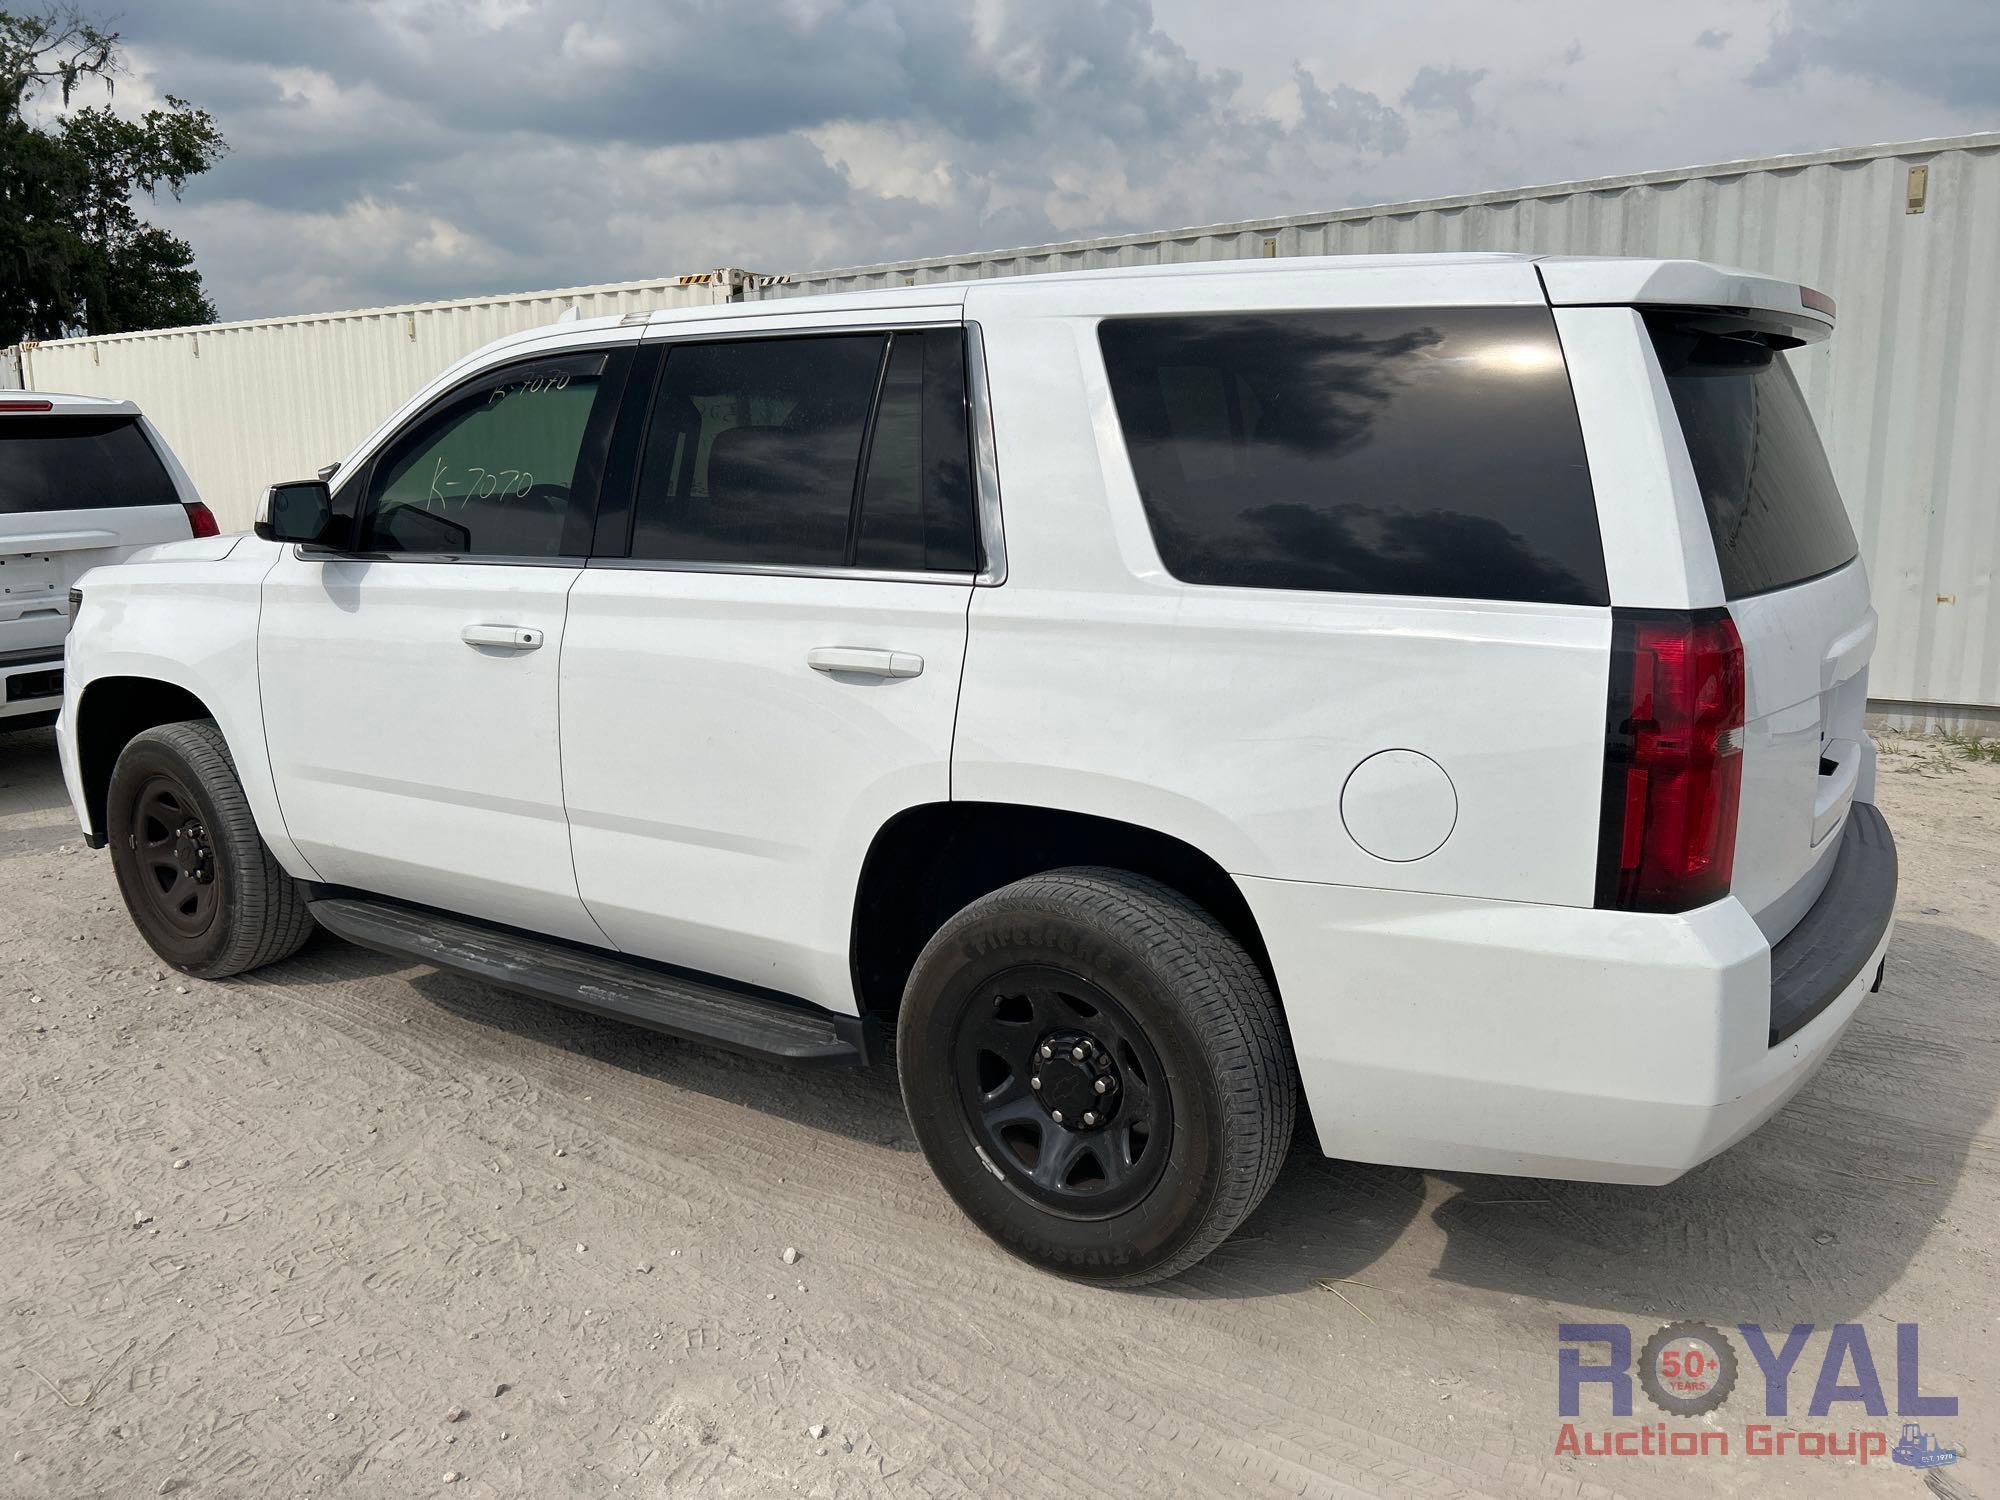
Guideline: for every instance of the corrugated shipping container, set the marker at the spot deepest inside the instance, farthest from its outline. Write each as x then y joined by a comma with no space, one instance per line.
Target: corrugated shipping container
247,403
1907,392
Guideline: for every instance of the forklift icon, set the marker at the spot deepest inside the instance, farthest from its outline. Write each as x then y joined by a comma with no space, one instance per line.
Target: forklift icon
1919,1450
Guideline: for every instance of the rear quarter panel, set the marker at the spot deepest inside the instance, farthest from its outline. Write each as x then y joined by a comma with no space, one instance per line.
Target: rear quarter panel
1232,718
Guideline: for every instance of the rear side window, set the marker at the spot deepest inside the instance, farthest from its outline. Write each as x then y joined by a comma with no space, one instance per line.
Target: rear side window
842,451
1425,451
916,502
78,463
1773,508
752,451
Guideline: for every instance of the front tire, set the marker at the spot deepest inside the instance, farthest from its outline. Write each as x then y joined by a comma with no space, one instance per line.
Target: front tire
1097,1073
201,887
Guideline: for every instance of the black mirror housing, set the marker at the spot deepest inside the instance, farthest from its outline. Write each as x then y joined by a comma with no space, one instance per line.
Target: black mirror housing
300,510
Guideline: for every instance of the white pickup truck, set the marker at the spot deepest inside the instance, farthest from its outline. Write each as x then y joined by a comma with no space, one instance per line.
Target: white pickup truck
1432,685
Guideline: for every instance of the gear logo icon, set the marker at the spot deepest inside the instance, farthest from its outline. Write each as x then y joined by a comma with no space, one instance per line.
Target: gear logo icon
1686,1369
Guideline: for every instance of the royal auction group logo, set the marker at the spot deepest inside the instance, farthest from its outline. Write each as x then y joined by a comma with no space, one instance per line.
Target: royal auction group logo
1688,1370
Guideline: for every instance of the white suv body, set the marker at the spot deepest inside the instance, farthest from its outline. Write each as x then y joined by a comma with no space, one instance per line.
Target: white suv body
1476,639
83,482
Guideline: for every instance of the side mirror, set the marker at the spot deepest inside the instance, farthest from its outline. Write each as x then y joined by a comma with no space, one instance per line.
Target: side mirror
298,511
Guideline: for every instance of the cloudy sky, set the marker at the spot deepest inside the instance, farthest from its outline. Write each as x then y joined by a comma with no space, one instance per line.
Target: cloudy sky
394,150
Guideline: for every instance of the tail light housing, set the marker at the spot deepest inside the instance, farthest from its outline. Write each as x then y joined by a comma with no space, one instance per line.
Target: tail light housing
1673,760
201,519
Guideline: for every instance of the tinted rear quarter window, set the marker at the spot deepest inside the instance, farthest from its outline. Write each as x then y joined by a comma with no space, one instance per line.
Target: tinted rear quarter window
1426,451
78,463
1773,507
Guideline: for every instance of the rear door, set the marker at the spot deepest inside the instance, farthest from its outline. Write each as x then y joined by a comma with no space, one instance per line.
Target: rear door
77,490
1798,595
770,671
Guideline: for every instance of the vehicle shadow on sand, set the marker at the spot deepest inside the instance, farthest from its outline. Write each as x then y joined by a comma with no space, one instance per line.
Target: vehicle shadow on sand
862,1104
31,780
1811,1219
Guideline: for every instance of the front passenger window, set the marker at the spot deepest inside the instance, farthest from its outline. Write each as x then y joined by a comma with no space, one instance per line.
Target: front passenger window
505,466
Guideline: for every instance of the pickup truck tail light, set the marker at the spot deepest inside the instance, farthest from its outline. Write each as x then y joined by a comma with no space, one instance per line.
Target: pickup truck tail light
1673,760
201,519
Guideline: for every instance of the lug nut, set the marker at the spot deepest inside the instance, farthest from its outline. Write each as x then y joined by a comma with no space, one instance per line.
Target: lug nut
1047,1051
1056,1115
1089,1117
1076,1053
1035,1082
1103,1085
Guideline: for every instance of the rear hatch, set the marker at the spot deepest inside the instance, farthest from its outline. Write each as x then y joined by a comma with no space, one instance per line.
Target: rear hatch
77,489
1797,592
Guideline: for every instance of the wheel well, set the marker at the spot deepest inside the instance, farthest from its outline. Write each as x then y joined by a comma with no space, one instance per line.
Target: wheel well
113,710
928,862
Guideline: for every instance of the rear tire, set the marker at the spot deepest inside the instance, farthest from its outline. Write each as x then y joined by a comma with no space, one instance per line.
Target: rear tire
1098,1074
201,886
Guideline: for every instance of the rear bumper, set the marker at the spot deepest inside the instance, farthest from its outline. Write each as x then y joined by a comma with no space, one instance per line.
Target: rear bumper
1564,1042
31,682
1815,963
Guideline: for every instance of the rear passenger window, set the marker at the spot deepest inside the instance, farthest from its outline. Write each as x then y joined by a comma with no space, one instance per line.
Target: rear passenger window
1429,451
841,451
1773,508
916,506
752,451
505,466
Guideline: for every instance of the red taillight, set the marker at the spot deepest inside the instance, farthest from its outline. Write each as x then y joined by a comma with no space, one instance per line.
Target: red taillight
1673,762
201,520
27,405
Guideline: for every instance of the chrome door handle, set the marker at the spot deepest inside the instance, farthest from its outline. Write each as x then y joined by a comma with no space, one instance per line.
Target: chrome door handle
502,637
858,662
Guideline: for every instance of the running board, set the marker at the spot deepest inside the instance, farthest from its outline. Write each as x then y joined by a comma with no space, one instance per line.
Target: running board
682,1005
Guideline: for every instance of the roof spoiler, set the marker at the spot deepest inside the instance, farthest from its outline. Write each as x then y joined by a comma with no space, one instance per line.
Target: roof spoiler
1586,281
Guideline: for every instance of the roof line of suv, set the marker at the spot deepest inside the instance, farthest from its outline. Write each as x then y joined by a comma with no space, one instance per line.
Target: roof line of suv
65,401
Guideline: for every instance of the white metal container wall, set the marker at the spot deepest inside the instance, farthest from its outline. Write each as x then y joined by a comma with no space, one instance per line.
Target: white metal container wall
1906,393
244,404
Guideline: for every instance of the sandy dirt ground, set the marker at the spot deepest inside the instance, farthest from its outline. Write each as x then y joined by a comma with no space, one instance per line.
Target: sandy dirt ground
351,1227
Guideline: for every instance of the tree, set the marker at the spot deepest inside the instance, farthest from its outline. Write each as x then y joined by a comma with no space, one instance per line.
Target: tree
75,257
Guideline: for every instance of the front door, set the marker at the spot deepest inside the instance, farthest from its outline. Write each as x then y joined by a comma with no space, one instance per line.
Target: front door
772,673
409,685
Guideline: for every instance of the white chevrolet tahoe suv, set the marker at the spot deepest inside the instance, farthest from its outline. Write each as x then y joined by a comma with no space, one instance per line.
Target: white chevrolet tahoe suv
83,481
1429,685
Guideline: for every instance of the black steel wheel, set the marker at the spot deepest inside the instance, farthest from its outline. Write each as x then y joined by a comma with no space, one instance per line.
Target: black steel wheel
1063,1091
181,886
201,886
1097,1073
